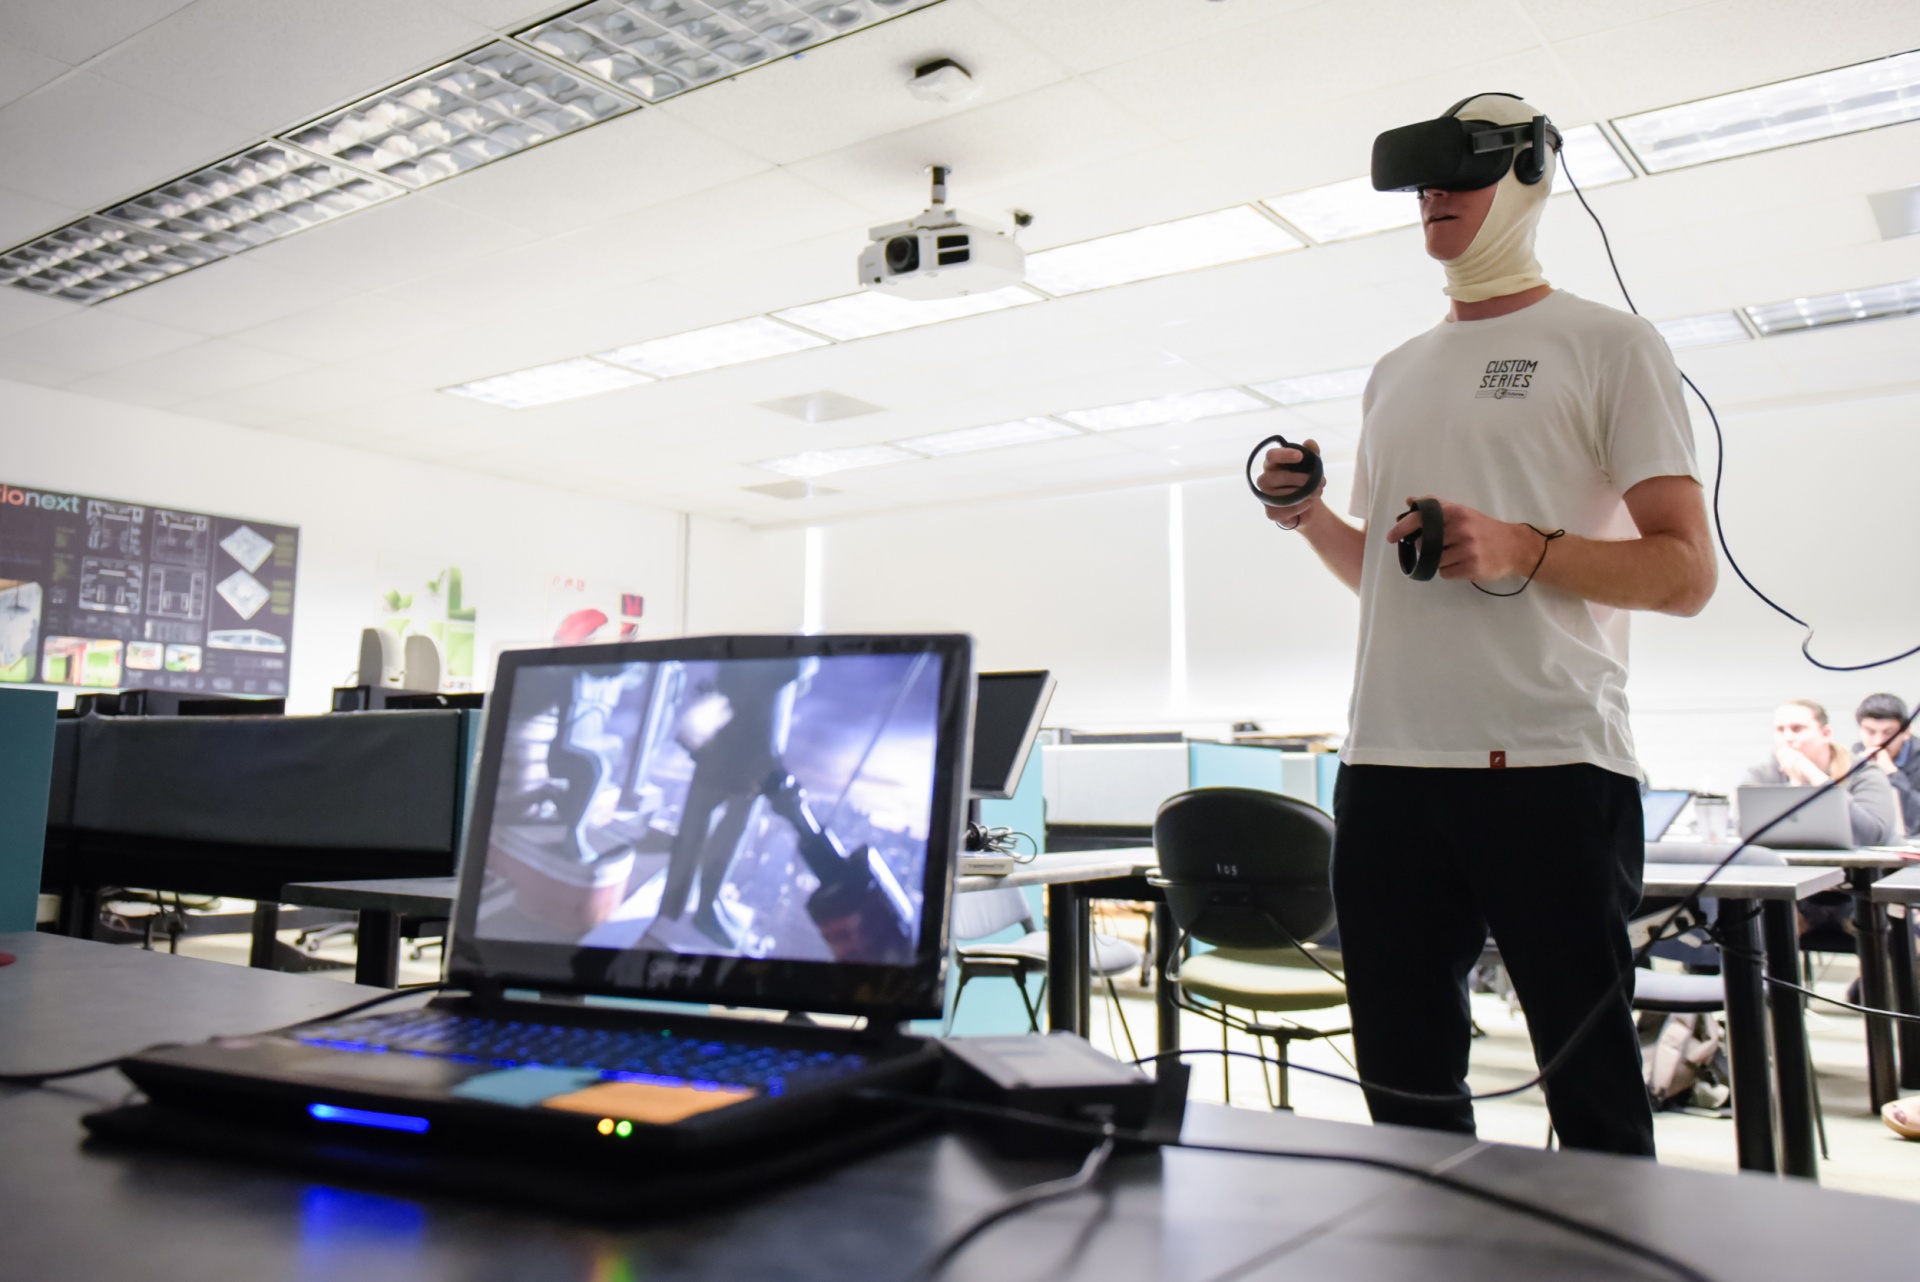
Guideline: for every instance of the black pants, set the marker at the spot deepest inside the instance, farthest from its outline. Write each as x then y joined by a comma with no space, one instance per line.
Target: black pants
1425,862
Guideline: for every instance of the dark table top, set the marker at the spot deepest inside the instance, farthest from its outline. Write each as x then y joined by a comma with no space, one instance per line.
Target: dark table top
74,1214
412,896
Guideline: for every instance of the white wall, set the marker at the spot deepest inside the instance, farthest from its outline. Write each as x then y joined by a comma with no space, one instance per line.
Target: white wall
363,519
743,580
1819,508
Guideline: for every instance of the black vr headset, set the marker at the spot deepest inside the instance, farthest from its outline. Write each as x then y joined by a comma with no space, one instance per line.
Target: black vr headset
1452,154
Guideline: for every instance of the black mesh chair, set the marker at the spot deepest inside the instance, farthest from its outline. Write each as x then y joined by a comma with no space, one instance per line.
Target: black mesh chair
1250,873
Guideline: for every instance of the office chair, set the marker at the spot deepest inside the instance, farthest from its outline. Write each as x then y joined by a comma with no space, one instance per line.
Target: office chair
982,913
1250,873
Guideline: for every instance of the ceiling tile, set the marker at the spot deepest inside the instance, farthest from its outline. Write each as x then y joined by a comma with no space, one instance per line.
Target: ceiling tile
352,326
400,240
112,387
265,65
302,395
1089,34
76,30
84,141
209,368
228,296
95,341
22,71
20,310
23,218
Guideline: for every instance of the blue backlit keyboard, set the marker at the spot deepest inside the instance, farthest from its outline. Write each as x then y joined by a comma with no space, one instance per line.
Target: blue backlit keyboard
653,1054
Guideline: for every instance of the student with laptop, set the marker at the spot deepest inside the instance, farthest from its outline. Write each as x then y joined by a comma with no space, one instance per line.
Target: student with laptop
1805,756
1880,718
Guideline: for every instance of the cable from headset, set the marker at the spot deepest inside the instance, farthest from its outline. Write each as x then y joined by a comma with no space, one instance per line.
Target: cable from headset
1434,1175
1549,537
1720,468
1747,954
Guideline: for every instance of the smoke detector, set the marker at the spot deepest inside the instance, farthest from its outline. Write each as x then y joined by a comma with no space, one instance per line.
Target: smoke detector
942,80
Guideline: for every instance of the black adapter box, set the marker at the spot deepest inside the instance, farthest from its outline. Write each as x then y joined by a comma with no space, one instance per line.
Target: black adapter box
1059,1076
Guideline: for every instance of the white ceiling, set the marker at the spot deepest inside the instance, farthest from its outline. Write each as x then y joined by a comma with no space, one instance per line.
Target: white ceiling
755,194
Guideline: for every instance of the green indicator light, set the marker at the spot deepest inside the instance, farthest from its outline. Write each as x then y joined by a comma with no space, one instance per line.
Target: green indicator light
623,1129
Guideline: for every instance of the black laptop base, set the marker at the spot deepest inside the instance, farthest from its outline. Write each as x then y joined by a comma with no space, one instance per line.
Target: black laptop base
607,1193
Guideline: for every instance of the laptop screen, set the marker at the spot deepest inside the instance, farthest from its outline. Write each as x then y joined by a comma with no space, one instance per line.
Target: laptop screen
1660,807
767,821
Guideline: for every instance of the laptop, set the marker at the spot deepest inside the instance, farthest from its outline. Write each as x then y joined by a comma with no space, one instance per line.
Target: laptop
1660,807
765,822
1827,824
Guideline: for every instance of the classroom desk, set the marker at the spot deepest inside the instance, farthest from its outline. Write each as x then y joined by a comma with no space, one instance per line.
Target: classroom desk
1884,984
1768,892
1073,881
1902,887
384,905
79,1214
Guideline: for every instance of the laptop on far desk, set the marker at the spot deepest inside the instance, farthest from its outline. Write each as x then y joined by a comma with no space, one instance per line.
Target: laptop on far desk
765,822
1659,808
1826,824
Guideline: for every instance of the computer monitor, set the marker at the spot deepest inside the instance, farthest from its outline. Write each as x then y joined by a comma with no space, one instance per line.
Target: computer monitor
1660,807
760,821
1006,719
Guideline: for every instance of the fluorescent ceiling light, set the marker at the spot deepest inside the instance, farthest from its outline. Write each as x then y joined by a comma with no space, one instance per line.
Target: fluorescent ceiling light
1703,330
545,384
1344,210
659,48
1308,388
487,104
730,344
868,313
97,258
1023,431
260,195
1184,245
1825,105
1181,407
821,462
1902,299
1588,154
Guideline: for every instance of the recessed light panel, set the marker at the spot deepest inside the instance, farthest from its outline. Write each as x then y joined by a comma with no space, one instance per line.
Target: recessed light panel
97,258
1344,210
1181,407
868,313
1902,299
262,194
821,462
734,343
1587,153
491,103
1184,245
659,48
1023,431
545,384
1704,330
1308,388
1825,105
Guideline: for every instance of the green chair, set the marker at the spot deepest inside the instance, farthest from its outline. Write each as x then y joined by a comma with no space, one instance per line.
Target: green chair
1250,873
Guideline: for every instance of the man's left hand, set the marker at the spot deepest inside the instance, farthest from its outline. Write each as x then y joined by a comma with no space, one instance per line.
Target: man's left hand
1478,547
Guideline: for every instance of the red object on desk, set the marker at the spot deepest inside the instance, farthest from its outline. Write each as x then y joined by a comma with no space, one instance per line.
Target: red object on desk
6,959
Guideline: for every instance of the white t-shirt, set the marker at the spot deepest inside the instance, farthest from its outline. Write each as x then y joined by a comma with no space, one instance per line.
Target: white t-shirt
1547,415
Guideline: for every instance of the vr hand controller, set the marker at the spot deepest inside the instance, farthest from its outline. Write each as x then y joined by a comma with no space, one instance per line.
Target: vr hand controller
1420,553
1309,463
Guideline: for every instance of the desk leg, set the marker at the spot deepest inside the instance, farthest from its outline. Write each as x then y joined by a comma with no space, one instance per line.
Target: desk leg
1870,937
1792,1067
1906,997
1166,947
376,962
1747,1036
1067,969
266,922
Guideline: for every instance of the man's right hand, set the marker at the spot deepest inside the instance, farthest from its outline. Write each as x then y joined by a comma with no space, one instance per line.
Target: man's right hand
1277,477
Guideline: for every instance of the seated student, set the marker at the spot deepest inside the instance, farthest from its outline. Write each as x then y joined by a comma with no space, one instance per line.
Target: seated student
1804,753
1880,716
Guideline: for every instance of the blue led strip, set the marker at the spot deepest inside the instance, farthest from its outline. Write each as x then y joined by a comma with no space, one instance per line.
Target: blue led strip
367,1117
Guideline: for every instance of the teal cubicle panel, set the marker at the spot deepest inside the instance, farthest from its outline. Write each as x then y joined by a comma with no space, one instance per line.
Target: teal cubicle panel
26,775
1305,776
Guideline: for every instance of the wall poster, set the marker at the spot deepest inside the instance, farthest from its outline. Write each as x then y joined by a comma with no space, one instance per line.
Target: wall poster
100,593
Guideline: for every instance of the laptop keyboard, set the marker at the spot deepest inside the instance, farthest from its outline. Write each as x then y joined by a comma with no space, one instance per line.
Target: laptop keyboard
637,1055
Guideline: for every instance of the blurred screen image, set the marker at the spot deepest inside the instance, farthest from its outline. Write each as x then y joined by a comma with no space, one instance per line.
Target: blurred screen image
760,808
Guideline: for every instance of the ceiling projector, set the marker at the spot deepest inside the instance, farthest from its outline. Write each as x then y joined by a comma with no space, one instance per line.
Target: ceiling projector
939,254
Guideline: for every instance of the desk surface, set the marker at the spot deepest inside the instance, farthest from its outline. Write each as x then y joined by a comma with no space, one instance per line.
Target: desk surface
1867,857
1183,1216
1080,865
1740,881
414,896
1902,887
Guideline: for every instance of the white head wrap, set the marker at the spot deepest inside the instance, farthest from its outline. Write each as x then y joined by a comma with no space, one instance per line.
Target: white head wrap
1500,260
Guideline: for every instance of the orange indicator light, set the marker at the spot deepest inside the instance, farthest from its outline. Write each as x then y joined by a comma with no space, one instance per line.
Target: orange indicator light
606,1126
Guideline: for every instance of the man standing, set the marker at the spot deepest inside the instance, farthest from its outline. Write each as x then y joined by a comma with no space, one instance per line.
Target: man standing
1489,778
1881,718
1804,753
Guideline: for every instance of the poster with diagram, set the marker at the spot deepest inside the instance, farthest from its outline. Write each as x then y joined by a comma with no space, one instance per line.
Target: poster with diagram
108,594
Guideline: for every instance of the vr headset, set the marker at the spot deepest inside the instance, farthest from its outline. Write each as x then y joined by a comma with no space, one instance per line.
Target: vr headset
1452,154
